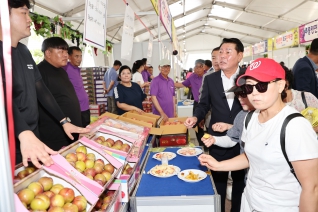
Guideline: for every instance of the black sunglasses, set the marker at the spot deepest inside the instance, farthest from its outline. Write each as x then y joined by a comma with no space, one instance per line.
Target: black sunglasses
241,94
260,87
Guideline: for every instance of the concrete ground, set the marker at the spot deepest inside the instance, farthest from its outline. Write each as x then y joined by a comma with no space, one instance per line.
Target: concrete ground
193,139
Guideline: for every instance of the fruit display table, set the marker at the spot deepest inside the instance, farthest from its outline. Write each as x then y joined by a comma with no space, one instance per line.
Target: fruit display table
172,194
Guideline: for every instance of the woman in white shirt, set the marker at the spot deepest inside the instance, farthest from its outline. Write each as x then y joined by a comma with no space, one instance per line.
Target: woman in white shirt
270,185
137,68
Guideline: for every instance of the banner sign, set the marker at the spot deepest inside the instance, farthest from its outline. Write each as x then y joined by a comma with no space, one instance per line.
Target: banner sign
155,5
165,17
95,23
127,40
269,44
308,32
247,51
288,39
260,47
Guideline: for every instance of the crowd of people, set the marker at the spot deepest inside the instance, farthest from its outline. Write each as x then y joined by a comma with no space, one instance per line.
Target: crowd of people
251,114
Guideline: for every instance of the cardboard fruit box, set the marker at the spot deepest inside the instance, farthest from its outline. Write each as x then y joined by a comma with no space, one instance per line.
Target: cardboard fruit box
22,172
100,156
109,200
141,118
58,178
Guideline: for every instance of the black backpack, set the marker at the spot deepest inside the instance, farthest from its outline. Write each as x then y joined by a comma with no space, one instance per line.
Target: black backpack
282,136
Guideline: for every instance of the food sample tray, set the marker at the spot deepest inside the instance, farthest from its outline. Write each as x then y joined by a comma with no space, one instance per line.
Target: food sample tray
172,194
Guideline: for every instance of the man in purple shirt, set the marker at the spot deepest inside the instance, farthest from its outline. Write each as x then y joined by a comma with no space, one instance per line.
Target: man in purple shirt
195,81
162,92
74,74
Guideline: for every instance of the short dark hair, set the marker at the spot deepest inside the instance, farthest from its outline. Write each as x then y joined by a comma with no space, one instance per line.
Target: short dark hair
121,70
150,67
144,60
314,47
215,49
72,48
20,3
208,63
190,69
54,43
289,77
137,64
117,63
238,44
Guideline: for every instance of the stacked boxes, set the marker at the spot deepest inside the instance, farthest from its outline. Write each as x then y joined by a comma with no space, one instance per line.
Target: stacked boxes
98,82
147,105
97,109
88,81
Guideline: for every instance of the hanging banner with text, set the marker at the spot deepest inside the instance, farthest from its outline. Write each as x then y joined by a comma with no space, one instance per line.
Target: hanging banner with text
288,39
260,47
247,51
175,37
155,4
165,17
127,40
308,32
150,46
95,23
270,44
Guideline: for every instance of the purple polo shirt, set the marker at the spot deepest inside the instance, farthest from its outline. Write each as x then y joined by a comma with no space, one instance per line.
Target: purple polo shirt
195,82
145,75
163,89
74,74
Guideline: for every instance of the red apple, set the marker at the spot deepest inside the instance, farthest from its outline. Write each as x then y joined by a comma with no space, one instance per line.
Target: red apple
46,182
81,149
109,167
56,188
91,156
90,171
118,142
22,174
69,207
49,194
107,175
30,169
117,147
36,187
101,138
98,140
125,148
56,209
110,193
104,206
40,202
81,156
68,194
111,141
99,161
107,199
80,165
80,202
98,168
71,157
128,171
57,200
106,144
100,177
26,196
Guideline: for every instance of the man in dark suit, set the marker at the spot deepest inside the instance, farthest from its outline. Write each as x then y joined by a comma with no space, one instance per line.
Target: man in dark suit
304,71
225,106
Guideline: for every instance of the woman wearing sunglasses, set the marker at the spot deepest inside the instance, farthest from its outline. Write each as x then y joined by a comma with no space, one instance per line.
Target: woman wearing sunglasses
271,186
234,132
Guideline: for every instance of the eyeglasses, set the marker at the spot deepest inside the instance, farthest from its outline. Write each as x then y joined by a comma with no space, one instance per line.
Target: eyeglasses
260,87
241,94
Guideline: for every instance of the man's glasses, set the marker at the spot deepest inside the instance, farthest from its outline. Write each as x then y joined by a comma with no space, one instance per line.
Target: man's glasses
261,87
241,94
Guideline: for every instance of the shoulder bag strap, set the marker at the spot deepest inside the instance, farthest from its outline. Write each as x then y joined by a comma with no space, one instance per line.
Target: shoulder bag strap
282,140
248,118
304,98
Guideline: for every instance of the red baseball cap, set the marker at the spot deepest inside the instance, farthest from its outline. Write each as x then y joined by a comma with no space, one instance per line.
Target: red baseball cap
264,70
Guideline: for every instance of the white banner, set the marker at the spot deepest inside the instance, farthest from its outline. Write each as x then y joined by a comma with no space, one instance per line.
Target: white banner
127,40
95,23
165,17
259,47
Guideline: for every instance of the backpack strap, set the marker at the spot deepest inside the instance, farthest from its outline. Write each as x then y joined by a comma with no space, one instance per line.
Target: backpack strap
282,140
248,118
304,98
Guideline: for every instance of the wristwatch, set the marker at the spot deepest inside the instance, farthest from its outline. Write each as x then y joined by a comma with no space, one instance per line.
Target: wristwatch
66,120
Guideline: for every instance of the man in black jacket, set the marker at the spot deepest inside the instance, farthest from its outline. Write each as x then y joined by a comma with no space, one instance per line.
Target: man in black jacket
304,71
224,109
